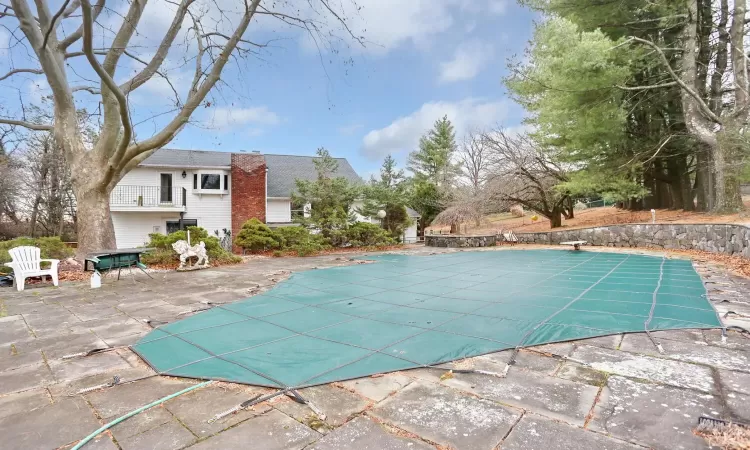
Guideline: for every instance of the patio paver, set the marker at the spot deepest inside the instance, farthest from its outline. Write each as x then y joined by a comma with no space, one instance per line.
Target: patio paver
643,398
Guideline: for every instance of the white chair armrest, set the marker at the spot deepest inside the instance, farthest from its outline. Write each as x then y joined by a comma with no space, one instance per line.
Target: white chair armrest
53,262
8,264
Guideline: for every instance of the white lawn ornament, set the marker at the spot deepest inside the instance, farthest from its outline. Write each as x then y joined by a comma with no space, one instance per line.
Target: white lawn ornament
186,251
27,263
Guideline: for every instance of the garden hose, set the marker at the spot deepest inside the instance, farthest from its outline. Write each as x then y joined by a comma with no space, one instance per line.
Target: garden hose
85,440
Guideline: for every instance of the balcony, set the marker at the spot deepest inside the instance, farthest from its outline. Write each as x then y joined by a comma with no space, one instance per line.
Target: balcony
148,198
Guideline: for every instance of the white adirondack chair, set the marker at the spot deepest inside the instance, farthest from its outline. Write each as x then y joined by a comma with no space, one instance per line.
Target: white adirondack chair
27,263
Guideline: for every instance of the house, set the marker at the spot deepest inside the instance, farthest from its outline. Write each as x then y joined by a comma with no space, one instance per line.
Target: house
218,191
410,234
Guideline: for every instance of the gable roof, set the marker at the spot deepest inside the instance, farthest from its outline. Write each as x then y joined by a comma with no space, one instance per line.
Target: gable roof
283,170
167,157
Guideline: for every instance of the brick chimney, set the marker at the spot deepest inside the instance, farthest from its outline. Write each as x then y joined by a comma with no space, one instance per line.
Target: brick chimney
248,190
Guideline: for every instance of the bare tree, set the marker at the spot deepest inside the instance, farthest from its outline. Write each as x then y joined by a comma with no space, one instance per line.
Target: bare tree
9,187
474,160
523,173
216,32
48,185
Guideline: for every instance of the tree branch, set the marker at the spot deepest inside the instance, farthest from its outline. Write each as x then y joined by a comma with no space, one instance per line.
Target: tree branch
138,152
29,125
15,71
90,89
642,88
699,101
110,84
122,38
73,37
53,21
152,66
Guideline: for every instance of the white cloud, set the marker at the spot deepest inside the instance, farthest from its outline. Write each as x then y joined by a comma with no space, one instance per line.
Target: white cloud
226,118
348,130
37,90
468,60
498,7
402,135
388,24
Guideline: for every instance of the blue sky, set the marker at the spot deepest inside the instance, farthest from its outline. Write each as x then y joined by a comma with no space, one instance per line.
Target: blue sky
423,59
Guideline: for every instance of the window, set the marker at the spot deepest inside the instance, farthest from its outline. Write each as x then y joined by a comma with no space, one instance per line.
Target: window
210,181
174,225
226,182
165,191
195,181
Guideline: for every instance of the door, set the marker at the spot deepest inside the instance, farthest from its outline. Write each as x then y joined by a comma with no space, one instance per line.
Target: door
165,191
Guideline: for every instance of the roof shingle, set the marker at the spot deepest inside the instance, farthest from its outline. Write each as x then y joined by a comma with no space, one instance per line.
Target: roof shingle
167,157
283,170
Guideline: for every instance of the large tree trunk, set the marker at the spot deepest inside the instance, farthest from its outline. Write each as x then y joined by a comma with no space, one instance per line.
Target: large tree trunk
727,181
680,186
95,229
702,180
568,211
555,218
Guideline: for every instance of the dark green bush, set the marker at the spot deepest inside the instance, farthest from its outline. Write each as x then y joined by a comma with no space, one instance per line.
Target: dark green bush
256,236
164,253
293,236
308,248
363,234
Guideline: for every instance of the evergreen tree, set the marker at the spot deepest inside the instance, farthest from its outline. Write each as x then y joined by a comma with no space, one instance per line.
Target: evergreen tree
256,236
388,193
329,197
433,160
434,170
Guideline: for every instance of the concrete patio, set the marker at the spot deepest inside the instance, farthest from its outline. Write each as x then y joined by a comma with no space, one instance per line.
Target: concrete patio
613,392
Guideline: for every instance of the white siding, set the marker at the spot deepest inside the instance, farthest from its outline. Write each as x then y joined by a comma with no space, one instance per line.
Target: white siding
212,211
410,234
359,218
132,228
278,210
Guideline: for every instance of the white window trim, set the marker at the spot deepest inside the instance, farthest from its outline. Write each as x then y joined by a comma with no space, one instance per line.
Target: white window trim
222,187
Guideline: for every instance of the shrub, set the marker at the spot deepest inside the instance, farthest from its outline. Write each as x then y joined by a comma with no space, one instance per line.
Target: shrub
363,234
278,253
517,211
293,235
164,254
309,248
256,236
51,248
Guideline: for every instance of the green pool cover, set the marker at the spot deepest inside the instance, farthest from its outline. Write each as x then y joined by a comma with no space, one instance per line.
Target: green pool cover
412,311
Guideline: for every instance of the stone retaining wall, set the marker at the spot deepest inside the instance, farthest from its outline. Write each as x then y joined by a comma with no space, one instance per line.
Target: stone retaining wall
457,240
717,238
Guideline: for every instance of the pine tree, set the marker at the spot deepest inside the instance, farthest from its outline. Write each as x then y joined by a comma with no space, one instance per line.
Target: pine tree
434,170
389,193
330,198
433,161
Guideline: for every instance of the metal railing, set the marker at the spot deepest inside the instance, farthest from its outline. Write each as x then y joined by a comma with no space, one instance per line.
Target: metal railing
297,214
148,196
